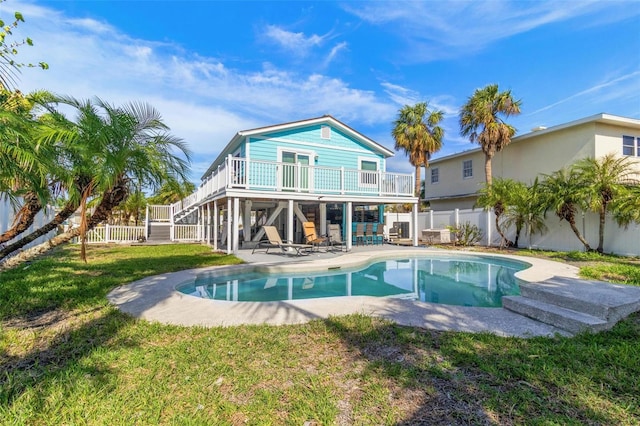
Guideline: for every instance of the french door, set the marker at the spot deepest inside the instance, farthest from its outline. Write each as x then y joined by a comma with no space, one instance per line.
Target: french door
296,172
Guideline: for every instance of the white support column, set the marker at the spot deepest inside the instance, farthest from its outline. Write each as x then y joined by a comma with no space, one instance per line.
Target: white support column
146,224
414,217
229,218
323,218
216,215
208,234
431,219
348,234
236,224
290,220
246,220
488,212
456,216
200,234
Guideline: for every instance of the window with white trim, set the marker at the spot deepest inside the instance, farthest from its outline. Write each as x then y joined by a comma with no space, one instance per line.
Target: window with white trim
467,169
435,175
630,146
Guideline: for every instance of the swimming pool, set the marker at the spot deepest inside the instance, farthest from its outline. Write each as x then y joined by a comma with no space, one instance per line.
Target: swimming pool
463,280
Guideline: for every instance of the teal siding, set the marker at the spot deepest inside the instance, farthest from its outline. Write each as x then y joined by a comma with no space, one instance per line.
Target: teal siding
338,151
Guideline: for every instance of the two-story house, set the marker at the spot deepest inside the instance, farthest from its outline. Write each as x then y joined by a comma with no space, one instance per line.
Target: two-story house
453,181
317,170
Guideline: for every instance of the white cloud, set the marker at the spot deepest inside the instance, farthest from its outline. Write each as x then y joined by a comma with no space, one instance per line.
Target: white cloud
334,52
203,100
620,87
297,43
438,30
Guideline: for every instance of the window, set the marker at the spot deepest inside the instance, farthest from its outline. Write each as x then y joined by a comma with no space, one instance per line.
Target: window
435,175
325,132
368,176
467,169
630,146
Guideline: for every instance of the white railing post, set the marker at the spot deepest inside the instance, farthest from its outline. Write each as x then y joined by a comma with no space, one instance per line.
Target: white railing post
342,180
229,170
146,224
379,183
107,233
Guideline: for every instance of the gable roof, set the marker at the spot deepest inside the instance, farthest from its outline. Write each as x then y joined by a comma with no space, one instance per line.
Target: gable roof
603,118
325,119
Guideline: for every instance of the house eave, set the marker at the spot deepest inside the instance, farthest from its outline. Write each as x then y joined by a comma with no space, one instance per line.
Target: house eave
602,118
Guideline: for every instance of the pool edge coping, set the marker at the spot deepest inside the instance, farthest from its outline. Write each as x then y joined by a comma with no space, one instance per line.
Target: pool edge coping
155,298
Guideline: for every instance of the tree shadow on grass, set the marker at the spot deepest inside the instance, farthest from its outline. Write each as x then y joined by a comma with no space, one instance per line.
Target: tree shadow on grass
58,359
462,378
60,280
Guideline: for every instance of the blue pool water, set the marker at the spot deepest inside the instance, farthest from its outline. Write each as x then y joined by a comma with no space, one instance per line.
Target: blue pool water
454,280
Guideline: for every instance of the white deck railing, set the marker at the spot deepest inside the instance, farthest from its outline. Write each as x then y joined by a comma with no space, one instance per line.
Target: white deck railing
268,176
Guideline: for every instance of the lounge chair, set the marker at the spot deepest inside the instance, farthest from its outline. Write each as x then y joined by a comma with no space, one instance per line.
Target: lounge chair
274,241
311,235
335,237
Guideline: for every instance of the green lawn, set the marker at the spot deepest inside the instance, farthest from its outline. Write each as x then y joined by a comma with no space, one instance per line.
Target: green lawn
67,357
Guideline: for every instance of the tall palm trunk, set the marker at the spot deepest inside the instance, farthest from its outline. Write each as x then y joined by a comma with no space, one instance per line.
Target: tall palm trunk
62,215
110,199
487,169
498,209
24,218
603,216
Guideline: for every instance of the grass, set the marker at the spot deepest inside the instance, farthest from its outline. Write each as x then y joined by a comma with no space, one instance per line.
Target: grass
68,357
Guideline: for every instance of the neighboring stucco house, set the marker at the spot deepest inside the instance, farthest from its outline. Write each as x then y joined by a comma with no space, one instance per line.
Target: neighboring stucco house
317,170
453,181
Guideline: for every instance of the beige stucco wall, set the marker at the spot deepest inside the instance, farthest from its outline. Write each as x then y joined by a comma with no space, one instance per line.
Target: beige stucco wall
609,138
528,156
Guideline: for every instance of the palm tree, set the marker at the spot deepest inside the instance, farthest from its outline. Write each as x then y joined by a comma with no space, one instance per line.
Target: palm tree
131,146
25,165
605,179
480,121
563,194
78,147
417,133
497,196
525,210
171,192
626,207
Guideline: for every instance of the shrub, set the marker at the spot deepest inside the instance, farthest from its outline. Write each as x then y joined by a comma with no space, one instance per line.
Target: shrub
466,234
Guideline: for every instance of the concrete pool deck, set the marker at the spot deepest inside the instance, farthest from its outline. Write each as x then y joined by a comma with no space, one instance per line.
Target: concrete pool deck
155,298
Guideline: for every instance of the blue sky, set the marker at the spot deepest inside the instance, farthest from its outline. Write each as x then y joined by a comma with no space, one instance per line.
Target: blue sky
214,68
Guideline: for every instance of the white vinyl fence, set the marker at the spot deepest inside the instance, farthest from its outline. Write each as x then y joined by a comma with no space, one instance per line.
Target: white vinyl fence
559,236
115,234
6,220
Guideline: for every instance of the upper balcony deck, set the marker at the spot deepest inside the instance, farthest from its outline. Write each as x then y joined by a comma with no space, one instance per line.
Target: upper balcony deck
270,177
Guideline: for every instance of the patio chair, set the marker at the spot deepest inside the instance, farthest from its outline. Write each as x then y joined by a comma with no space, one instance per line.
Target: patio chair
335,237
368,233
359,235
274,241
311,235
378,235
